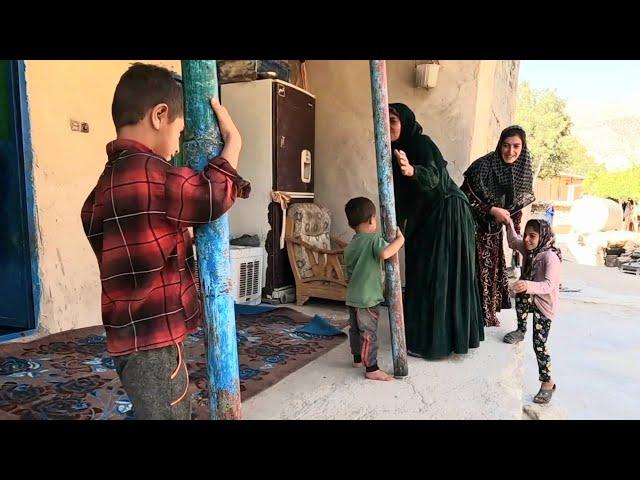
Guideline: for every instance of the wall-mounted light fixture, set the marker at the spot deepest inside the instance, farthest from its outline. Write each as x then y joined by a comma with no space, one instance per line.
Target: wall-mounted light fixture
427,74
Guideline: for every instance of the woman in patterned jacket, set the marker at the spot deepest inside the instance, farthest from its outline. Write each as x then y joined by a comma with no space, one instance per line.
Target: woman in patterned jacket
499,186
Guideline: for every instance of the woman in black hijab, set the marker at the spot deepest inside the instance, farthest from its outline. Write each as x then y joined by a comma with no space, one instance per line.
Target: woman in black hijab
499,186
442,301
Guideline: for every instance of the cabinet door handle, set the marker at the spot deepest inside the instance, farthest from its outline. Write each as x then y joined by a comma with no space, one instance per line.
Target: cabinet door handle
305,166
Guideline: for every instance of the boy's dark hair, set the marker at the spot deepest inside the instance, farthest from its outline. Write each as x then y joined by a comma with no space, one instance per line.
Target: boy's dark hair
141,88
359,210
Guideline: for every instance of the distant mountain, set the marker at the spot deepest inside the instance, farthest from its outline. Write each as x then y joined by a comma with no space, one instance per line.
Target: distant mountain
609,131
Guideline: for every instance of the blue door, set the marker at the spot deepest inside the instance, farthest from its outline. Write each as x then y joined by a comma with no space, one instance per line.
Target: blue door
16,292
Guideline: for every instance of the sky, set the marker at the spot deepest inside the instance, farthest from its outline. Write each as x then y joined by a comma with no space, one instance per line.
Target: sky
587,83
596,91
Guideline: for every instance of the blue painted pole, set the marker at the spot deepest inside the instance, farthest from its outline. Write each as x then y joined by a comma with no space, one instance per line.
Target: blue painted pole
380,102
202,141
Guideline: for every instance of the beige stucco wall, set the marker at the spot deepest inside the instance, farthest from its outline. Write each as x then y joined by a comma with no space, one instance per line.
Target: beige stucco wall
66,167
68,163
472,101
496,104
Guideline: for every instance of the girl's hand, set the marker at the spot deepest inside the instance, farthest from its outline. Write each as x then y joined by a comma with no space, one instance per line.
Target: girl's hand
520,286
501,215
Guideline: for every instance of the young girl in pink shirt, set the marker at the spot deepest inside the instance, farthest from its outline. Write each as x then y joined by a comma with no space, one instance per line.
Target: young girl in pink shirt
537,292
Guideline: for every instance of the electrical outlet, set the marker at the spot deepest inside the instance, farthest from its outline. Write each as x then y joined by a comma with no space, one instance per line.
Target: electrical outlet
78,126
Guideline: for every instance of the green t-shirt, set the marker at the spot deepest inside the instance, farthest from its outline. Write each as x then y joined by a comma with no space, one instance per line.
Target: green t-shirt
364,268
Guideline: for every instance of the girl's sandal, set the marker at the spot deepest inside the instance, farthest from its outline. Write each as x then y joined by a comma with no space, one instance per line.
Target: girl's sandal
514,337
543,395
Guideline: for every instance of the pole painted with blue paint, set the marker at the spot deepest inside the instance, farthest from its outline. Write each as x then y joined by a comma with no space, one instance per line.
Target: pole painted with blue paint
202,141
380,103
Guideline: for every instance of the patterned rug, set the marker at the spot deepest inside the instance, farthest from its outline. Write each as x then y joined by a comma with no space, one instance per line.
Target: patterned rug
70,375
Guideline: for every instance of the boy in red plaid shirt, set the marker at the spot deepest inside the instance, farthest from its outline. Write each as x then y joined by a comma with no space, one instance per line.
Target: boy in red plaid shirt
137,219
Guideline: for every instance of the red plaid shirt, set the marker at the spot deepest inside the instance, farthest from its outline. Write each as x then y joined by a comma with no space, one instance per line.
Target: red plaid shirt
137,219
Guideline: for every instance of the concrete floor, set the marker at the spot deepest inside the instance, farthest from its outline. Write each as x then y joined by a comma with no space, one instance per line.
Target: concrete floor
594,350
594,345
484,384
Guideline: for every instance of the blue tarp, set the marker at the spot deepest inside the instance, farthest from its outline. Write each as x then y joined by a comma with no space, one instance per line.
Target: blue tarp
317,326
320,326
253,309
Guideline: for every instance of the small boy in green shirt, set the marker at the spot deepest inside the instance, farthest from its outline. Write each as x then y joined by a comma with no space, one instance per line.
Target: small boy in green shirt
364,260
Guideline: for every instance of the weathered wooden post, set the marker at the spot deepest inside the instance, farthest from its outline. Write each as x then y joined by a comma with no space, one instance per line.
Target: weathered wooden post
380,102
201,141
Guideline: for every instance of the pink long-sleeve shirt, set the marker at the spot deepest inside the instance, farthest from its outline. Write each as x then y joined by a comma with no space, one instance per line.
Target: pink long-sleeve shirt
545,287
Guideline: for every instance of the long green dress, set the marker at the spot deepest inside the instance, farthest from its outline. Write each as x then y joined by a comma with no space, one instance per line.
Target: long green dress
442,308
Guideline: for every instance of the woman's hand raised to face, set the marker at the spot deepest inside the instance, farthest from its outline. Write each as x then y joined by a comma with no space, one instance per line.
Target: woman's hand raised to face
403,162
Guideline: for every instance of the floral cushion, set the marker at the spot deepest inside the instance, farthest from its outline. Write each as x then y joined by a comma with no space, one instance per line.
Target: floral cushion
311,224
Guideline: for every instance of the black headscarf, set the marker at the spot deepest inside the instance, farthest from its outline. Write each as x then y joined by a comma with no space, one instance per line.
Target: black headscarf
411,141
500,184
547,242
411,201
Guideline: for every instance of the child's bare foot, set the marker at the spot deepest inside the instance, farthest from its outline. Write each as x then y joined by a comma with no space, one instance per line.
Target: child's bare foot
378,375
356,364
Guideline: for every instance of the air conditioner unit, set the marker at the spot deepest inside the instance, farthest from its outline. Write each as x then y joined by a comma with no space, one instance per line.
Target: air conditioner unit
246,274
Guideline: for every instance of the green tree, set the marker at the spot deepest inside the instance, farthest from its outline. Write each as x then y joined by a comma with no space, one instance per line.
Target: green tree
619,185
543,115
578,159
